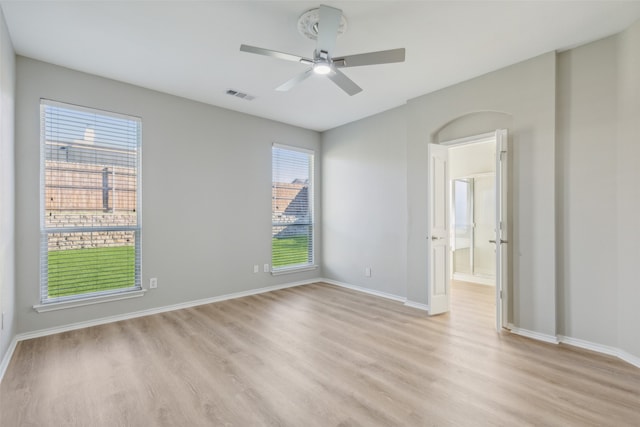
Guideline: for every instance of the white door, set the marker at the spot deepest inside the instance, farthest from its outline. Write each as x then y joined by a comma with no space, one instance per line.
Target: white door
502,241
438,261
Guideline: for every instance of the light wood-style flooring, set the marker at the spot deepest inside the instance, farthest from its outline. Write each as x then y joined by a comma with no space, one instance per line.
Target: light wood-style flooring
314,355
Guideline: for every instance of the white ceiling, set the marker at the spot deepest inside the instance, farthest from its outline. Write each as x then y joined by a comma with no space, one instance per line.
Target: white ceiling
191,49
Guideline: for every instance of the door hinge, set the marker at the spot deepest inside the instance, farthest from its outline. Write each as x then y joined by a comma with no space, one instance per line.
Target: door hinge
501,153
500,294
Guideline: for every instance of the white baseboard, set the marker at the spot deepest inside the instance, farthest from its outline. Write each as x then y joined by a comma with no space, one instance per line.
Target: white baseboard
534,335
629,358
393,297
588,345
7,357
164,309
417,305
576,342
600,348
364,290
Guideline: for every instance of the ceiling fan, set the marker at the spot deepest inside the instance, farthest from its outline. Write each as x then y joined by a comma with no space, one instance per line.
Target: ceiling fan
325,29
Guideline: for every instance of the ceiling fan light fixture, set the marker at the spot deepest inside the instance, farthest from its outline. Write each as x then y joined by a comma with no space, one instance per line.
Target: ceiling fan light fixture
321,68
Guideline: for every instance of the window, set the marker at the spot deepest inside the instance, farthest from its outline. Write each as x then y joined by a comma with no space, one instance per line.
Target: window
291,208
90,203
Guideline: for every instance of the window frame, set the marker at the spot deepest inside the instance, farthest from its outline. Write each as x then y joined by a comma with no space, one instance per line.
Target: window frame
45,302
311,264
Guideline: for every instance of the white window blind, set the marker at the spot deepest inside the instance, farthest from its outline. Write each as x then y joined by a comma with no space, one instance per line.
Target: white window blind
90,202
291,208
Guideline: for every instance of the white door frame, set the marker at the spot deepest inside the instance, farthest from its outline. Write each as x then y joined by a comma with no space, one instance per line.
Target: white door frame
502,229
500,138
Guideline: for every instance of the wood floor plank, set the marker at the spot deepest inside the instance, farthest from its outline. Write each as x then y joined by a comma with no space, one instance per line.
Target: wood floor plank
314,355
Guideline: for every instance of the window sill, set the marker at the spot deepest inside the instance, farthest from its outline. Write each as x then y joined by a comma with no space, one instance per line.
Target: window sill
43,308
290,270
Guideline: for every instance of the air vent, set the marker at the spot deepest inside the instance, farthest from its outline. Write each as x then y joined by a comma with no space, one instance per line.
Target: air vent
240,95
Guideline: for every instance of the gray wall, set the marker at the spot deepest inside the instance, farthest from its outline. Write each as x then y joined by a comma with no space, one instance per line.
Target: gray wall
628,190
574,193
7,189
525,92
206,192
365,202
599,196
587,164
363,178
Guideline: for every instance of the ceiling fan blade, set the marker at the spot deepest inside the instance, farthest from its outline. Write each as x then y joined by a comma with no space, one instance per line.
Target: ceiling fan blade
294,81
371,58
344,82
274,54
328,25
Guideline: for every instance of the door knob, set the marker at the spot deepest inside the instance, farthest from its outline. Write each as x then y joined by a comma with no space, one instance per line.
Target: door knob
501,241
436,238
492,241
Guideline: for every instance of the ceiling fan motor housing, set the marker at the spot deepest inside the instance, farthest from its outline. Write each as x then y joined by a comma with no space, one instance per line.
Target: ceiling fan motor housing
322,63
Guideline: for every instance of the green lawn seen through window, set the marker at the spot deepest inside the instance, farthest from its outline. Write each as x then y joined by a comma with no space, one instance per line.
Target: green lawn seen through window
81,271
290,251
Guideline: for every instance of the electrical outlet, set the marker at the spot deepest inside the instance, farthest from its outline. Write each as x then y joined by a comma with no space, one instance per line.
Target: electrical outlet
266,268
367,271
153,283
256,268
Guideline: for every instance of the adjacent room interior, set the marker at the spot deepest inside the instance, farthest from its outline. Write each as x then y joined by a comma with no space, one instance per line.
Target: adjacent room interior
226,213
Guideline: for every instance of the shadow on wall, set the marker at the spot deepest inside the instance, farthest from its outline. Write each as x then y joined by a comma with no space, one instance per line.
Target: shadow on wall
470,124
